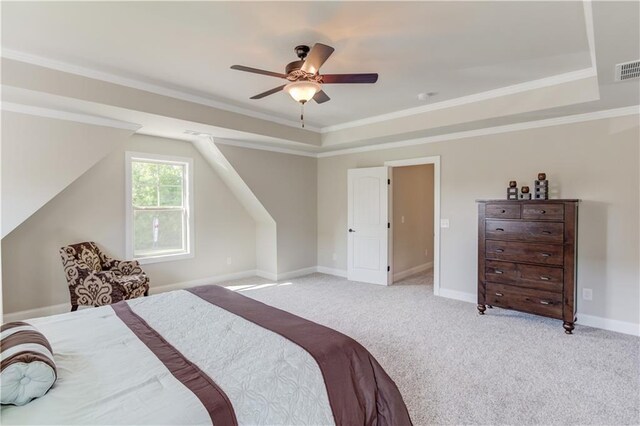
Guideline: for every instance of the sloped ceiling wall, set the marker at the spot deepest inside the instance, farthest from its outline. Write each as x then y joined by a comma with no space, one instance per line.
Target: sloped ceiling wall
286,186
42,156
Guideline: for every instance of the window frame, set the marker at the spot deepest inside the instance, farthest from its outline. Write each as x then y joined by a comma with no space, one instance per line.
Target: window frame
187,162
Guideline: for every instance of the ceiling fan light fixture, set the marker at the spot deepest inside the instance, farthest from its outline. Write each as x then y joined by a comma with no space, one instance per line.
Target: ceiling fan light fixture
302,91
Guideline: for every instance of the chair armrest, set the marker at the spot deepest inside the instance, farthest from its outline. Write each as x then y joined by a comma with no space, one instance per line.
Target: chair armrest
129,267
126,267
83,273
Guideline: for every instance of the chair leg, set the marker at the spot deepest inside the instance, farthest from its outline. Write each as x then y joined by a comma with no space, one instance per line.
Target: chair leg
74,308
146,293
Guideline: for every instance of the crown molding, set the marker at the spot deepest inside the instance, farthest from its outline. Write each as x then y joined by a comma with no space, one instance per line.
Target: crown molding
588,25
202,100
476,97
69,116
144,85
556,121
251,145
534,124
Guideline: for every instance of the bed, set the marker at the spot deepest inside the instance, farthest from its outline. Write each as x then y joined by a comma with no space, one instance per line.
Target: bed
207,355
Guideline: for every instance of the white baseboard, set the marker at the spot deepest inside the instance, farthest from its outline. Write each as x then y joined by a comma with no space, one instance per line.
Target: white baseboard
297,273
37,312
66,307
332,271
583,319
203,281
267,275
397,276
608,324
458,295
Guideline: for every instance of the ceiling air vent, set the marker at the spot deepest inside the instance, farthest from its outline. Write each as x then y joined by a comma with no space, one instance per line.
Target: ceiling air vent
628,70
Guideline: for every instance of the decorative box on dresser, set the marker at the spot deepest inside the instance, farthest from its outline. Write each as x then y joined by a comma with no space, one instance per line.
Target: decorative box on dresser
527,257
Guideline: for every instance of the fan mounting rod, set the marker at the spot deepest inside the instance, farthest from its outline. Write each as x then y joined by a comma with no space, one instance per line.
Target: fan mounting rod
301,51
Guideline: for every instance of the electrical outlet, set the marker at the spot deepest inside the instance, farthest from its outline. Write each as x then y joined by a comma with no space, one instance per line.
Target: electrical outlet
228,261
444,223
402,219
426,252
587,294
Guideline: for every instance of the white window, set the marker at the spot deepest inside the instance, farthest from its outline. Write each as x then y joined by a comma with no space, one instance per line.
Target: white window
159,207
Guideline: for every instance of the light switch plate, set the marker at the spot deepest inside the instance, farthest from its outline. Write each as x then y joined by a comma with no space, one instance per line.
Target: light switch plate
444,223
587,294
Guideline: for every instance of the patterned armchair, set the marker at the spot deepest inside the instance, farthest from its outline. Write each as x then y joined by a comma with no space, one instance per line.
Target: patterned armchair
95,279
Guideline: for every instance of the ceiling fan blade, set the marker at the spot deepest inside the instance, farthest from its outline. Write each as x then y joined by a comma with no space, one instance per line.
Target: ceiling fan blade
349,78
257,71
318,55
321,97
268,92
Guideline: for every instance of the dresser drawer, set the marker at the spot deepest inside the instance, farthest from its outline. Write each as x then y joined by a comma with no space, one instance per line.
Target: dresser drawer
541,277
542,211
552,232
500,272
502,211
521,275
545,254
525,300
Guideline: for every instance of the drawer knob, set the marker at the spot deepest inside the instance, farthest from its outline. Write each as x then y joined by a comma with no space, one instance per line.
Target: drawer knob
499,294
500,229
542,211
543,278
546,254
503,211
546,232
499,250
498,271
544,302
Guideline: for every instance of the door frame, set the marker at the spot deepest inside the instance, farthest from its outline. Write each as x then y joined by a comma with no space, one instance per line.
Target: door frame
435,160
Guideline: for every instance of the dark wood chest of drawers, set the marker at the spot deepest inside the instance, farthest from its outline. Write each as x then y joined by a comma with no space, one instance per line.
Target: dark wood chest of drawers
527,257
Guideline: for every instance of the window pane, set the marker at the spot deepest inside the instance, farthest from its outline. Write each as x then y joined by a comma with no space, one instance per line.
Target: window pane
158,232
145,196
171,196
145,173
144,184
170,174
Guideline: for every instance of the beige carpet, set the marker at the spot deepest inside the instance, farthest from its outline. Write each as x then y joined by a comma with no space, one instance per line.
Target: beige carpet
456,367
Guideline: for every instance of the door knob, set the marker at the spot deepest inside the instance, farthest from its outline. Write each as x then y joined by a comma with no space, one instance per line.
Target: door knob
351,230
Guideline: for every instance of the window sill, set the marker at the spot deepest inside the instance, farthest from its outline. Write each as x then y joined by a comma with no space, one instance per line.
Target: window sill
164,258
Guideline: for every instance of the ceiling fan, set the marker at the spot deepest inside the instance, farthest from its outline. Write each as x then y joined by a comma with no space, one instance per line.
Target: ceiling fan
305,83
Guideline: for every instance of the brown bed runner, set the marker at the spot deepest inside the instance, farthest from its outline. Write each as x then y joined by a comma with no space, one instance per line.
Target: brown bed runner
360,392
214,400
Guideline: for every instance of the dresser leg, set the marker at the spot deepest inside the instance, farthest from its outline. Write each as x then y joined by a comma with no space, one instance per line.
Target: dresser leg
481,309
568,327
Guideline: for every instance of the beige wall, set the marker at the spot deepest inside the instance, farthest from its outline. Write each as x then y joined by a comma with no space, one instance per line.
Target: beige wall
286,186
413,201
44,155
596,161
93,208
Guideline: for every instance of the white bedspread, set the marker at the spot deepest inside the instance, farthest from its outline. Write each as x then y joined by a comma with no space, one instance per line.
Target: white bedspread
106,375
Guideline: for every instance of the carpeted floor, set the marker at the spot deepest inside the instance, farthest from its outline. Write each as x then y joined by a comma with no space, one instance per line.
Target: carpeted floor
456,367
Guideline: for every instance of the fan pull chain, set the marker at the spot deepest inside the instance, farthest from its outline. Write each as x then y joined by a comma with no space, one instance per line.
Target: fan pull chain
302,113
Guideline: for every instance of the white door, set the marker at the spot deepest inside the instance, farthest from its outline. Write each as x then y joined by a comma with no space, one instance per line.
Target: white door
367,225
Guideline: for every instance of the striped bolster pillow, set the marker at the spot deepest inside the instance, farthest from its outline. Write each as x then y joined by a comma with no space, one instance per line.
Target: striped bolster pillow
27,369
